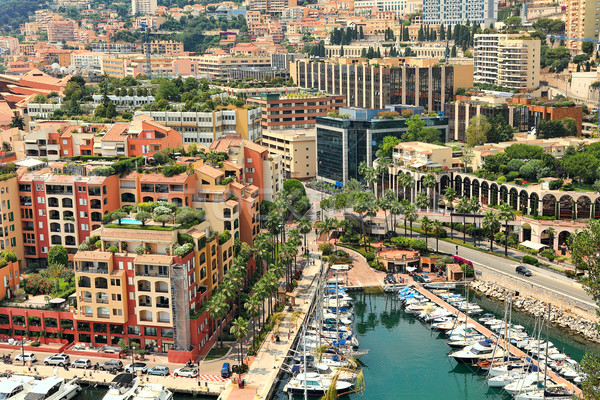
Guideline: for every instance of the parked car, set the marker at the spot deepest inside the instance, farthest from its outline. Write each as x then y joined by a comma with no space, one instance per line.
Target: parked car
523,270
226,370
186,371
57,359
112,364
136,366
159,370
425,278
84,363
418,278
26,357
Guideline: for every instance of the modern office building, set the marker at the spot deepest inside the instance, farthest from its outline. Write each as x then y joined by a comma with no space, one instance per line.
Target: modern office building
378,82
295,110
143,7
344,141
507,60
453,12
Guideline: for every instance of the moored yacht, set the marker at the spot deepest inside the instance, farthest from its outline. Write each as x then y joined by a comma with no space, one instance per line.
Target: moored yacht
314,384
151,391
480,351
16,387
53,388
122,387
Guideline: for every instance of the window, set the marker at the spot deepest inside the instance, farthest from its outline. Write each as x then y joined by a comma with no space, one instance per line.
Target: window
41,200
115,282
85,227
249,160
83,214
81,189
41,212
83,202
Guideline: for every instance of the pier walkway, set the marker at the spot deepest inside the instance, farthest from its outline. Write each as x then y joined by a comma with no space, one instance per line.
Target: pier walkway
488,333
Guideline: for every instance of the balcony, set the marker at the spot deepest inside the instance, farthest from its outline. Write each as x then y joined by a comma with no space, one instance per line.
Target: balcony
102,300
104,316
86,299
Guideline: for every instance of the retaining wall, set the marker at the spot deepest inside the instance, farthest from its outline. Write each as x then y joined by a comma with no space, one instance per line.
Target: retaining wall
531,289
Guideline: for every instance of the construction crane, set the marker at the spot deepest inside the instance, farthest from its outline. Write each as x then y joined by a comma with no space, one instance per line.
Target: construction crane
107,36
147,48
591,40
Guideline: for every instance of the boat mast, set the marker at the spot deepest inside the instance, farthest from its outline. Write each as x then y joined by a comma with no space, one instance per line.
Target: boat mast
547,342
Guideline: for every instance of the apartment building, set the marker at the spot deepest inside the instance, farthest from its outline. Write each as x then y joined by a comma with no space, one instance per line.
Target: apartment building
271,6
353,136
150,297
260,169
206,127
508,60
582,21
90,59
140,7
297,148
218,66
376,83
295,110
10,222
453,12
400,8
62,30
164,47
62,210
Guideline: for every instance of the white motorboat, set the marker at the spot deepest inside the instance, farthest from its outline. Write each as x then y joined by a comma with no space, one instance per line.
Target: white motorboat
553,392
394,287
122,387
314,384
526,383
151,391
478,352
16,387
464,342
53,388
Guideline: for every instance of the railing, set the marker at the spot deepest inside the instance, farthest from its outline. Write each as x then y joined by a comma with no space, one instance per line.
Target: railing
102,301
144,304
101,286
86,299
88,314
162,305
152,274
163,320
144,289
158,290
93,270
106,316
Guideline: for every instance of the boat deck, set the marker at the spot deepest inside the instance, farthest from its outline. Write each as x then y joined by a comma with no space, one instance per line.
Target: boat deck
488,333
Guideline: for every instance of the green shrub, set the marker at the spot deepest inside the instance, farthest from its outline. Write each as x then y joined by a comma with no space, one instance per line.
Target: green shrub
530,260
512,175
501,180
370,257
468,270
549,254
326,248
567,186
555,185
569,273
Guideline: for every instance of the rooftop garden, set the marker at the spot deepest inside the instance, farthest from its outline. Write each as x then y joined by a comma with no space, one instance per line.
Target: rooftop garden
160,213
249,83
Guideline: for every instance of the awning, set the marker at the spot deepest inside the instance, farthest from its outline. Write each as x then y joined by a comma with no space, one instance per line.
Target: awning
532,245
418,164
411,269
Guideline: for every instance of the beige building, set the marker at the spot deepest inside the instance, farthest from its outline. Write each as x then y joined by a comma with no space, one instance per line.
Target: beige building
507,60
420,155
143,7
11,235
297,148
582,21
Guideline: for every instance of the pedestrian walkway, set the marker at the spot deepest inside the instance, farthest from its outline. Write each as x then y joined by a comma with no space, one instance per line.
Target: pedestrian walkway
262,374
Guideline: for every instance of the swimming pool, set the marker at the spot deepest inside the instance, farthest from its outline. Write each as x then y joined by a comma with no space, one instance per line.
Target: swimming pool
131,221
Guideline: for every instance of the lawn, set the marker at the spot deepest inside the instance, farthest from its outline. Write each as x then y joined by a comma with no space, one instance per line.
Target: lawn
216,352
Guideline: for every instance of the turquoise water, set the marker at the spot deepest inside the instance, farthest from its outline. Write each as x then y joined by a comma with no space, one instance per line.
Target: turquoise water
131,221
406,360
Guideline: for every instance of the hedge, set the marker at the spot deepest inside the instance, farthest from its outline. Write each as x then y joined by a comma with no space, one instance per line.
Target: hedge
530,260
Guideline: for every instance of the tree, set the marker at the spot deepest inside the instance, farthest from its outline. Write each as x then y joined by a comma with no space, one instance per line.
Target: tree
582,166
58,255
430,182
512,22
111,110
466,158
426,225
239,329
410,215
17,121
478,131
119,215
422,201
437,228
415,125
491,225
6,147
530,169
218,308
143,216
587,48
161,218
506,214
463,207
387,146
361,33
449,196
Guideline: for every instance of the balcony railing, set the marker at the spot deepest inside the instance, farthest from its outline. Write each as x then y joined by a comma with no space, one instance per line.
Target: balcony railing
106,316
86,299
93,270
102,301
162,305
144,289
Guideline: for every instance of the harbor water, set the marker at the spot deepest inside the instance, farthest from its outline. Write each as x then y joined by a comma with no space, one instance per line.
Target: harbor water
406,360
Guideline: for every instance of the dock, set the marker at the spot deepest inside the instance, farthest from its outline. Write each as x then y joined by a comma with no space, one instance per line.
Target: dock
488,333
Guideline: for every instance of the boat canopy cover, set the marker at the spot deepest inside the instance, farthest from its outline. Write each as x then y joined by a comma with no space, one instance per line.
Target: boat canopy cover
123,378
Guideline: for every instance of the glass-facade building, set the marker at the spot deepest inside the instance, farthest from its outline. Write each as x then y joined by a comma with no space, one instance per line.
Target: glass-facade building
343,143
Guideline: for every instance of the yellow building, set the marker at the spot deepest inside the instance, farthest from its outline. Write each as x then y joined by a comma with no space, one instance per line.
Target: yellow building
297,148
582,21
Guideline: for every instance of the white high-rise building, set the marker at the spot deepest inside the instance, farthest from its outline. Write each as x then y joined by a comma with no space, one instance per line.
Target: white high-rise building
453,12
143,6
507,60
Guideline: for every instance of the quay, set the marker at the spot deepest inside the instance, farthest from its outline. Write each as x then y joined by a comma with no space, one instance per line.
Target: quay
488,333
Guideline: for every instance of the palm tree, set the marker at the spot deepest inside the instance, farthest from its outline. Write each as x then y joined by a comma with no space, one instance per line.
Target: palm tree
404,204
474,208
384,203
437,228
253,306
490,223
430,182
217,310
329,224
410,215
382,167
463,208
408,182
304,227
551,232
395,210
450,195
506,214
422,201
369,173
426,226
296,316
239,329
